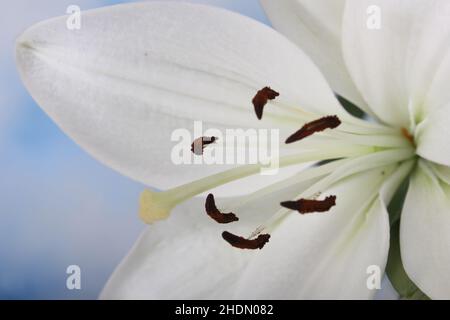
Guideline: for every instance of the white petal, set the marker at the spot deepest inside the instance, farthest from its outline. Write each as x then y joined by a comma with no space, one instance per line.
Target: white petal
432,136
315,26
134,73
429,59
181,257
442,172
325,255
425,234
377,58
428,73
403,68
185,257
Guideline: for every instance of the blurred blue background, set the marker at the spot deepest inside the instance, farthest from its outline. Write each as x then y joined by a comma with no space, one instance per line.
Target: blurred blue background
58,206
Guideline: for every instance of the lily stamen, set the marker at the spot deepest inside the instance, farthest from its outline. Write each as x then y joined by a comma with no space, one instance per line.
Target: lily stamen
347,169
328,122
308,206
261,98
242,243
199,144
214,213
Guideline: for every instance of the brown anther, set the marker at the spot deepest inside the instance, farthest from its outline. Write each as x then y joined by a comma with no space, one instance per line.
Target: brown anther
328,122
408,136
307,206
200,143
213,212
261,98
242,243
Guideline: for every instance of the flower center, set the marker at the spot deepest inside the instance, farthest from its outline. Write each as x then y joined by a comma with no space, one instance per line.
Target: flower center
357,145
408,136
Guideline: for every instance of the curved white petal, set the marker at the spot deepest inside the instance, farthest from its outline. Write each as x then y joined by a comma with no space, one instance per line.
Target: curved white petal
185,257
403,68
325,255
428,60
442,172
315,26
432,136
134,73
425,233
179,258
377,57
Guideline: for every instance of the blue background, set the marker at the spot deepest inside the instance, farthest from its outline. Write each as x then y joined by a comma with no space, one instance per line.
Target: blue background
58,206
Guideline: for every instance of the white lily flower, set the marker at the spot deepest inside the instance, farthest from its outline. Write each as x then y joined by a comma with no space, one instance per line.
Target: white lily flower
133,73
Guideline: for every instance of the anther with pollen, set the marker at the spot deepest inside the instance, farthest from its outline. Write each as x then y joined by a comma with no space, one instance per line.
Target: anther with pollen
307,206
200,143
261,98
328,122
214,213
242,243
